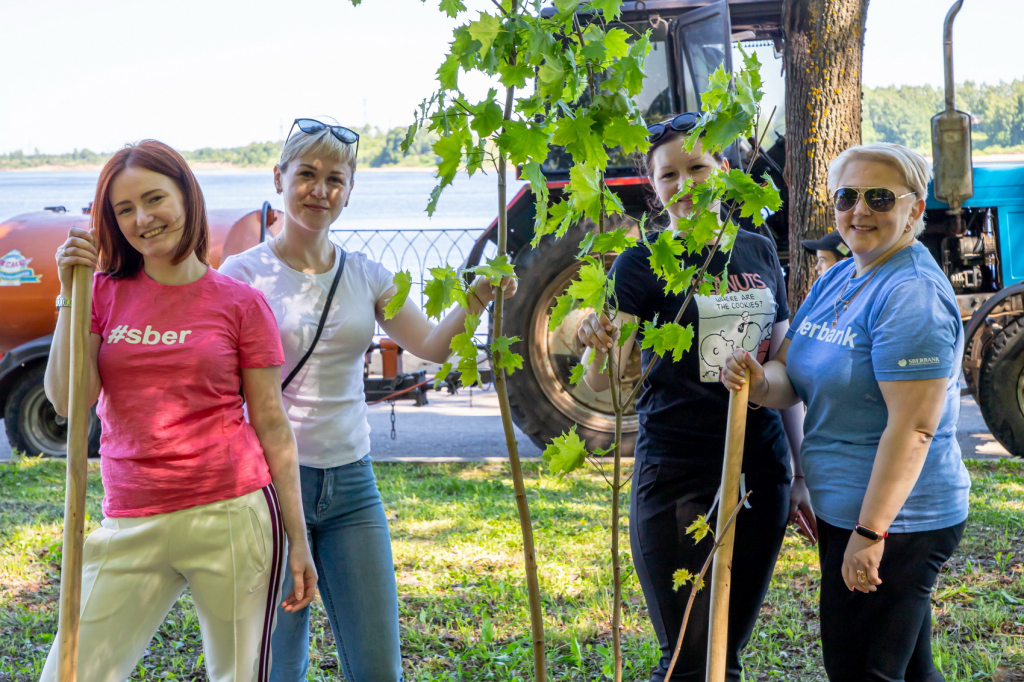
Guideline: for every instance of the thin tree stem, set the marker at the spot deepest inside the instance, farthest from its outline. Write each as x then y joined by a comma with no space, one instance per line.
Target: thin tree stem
693,590
501,389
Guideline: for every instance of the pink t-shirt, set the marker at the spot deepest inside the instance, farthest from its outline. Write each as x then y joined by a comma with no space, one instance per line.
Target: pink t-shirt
170,361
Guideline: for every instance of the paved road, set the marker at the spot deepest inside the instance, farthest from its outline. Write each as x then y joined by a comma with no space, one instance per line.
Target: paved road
467,427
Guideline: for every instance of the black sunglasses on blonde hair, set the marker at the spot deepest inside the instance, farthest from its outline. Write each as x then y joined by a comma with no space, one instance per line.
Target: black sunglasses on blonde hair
878,199
683,123
311,126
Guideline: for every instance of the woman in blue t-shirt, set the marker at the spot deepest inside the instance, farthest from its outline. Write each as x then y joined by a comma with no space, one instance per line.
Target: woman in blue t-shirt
683,411
874,353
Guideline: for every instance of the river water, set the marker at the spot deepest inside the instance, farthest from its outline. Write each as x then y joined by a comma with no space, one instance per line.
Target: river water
380,200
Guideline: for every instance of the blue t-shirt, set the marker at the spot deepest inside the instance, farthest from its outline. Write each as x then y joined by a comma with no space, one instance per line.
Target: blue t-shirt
904,325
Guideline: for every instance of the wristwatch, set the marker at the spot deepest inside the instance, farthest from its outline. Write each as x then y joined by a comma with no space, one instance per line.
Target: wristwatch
870,534
63,302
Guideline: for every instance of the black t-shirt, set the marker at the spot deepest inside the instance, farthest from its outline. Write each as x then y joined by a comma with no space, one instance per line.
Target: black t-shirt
683,406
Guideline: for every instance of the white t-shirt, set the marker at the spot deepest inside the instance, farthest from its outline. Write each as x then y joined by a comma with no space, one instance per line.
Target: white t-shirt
325,401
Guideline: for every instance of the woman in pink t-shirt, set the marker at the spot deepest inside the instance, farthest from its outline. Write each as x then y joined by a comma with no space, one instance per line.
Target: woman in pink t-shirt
195,495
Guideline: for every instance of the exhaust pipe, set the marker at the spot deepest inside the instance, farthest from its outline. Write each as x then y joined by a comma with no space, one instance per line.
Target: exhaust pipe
951,137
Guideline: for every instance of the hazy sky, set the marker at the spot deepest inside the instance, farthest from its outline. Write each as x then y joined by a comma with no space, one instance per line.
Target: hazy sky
219,73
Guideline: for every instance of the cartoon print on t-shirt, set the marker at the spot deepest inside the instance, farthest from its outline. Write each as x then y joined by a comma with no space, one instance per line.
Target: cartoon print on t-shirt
742,318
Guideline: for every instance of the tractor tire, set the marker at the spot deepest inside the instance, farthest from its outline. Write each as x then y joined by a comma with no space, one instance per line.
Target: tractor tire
1001,387
33,426
544,403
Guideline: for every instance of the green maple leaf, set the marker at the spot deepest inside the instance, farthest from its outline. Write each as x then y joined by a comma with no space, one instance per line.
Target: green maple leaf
522,142
495,269
612,9
464,348
576,374
514,75
449,148
403,282
584,190
448,73
552,76
578,137
615,241
475,155
440,291
410,136
452,7
624,133
616,41
566,453
487,115
442,374
680,281
751,196
700,230
531,106
540,43
485,30
593,48
564,305
566,7
665,252
699,529
435,195
668,337
681,578
592,286
503,357
625,331
626,74
533,172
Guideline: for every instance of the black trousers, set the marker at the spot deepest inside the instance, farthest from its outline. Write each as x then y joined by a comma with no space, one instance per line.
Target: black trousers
882,636
667,498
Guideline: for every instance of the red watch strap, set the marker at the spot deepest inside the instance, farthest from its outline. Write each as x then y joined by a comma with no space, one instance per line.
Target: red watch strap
870,531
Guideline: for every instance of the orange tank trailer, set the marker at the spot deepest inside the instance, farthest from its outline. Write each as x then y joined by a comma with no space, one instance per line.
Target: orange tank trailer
28,243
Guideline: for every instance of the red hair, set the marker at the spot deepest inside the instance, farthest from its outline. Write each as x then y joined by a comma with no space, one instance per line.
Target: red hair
118,258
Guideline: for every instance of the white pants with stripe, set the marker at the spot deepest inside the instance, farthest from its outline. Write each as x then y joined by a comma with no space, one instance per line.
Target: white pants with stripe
229,553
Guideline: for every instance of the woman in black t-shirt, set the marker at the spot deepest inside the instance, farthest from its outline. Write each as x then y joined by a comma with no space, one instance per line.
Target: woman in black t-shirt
683,409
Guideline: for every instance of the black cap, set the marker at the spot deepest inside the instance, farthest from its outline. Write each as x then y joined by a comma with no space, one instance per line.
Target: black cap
830,242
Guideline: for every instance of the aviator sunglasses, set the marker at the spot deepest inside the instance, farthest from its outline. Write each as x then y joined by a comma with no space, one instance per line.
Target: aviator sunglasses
878,199
311,126
683,123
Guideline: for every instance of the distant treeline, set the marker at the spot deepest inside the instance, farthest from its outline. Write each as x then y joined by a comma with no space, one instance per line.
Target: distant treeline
903,115
377,149
891,114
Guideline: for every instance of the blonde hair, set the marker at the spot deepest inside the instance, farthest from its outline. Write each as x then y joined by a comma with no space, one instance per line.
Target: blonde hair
322,144
914,168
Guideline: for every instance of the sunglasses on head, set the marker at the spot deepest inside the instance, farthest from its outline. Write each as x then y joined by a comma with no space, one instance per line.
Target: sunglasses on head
878,199
683,123
311,126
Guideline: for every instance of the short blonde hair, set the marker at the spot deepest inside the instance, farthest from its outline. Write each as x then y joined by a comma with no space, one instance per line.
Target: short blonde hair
322,144
914,168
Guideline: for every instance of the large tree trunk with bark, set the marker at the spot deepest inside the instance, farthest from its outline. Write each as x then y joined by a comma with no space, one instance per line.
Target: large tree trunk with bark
824,49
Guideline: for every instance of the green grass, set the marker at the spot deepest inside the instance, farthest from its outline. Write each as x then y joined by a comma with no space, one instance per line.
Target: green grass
463,610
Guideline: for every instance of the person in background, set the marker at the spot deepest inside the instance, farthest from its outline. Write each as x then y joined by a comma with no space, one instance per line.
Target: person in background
827,250
195,495
874,353
683,412
348,528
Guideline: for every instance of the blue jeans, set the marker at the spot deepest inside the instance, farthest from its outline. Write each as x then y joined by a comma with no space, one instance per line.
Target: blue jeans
348,534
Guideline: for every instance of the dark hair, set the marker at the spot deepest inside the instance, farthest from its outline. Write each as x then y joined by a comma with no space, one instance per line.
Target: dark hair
118,258
644,166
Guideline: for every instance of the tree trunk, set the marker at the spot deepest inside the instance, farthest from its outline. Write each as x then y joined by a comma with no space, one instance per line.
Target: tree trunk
824,50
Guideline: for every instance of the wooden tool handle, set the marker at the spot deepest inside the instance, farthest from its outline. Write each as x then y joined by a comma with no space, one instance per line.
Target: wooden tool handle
721,570
77,463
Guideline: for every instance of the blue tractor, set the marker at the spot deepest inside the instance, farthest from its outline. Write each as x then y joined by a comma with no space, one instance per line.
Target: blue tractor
980,245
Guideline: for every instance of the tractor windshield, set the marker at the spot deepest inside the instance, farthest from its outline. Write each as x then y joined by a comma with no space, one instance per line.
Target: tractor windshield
655,101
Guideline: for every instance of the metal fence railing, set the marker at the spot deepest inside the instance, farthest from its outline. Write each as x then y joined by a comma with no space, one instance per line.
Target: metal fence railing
414,250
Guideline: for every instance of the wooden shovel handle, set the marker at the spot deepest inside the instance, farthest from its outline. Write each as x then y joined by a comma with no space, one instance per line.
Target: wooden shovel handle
721,570
77,464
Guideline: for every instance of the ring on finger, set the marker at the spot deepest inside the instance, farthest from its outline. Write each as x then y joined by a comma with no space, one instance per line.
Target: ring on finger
862,577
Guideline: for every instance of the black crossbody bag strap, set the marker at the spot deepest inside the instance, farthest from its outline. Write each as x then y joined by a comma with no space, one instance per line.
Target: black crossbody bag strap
323,319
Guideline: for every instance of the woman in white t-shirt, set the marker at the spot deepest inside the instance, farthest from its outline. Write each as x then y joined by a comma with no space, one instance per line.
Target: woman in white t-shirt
345,518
